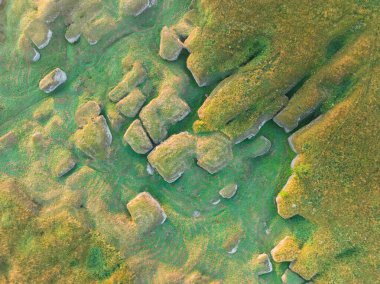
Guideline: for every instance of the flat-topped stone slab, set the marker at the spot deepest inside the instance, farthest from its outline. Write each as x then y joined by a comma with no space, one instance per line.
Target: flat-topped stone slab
170,45
86,112
136,137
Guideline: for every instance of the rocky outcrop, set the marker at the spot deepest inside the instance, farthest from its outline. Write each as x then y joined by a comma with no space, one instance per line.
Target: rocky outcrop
286,250
53,80
170,45
131,80
131,104
214,152
162,112
229,191
174,156
86,112
136,137
146,212
94,139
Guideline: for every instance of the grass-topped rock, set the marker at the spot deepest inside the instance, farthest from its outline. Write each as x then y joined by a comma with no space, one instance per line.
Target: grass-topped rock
131,104
146,212
170,46
286,250
87,112
261,264
174,156
137,138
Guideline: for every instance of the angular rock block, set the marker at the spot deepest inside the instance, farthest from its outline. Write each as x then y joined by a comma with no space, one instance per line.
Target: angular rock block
94,139
136,7
214,152
286,250
86,112
174,156
146,212
131,80
229,191
53,80
261,264
170,45
131,104
137,138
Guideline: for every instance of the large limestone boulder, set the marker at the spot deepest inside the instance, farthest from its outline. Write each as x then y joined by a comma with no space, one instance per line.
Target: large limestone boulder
53,80
261,264
146,212
162,112
286,250
214,152
131,80
174,156
137,138
94,139
170,45
131,104
86,112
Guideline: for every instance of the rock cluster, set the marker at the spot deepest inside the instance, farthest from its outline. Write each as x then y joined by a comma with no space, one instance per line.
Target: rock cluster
53,80
146,212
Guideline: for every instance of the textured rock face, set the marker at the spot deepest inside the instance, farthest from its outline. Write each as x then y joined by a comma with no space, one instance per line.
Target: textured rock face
214,152
162,112
170,46
146,212
131,104
137,138
261,264
53,80
86,112
94,139
173,156
229,191
131,80
286,250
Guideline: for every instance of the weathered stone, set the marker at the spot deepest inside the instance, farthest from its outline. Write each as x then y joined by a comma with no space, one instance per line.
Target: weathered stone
286,250
137,138
131,80
39,33
94,139
62,163
290,277
146,212
214,152
172,157
162,112
187,23
53,80
137,7
229,191
259,147
131,104
116,119
170,46
261,264
86,112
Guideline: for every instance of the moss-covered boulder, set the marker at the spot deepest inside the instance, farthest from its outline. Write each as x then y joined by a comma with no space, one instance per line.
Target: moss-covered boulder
286,250
116,119
174,156
94,139
131,104
290,277
228,191
170,45
146,212
86,112
261,264
214,152
131,80
136,137
136,7
162,112
62,162
53,80
39,33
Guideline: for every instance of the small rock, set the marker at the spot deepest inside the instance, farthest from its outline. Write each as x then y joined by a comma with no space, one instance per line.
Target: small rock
86,112
170,46
131,104
146,212
137,138
196,214
53,80
229,191
261,264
